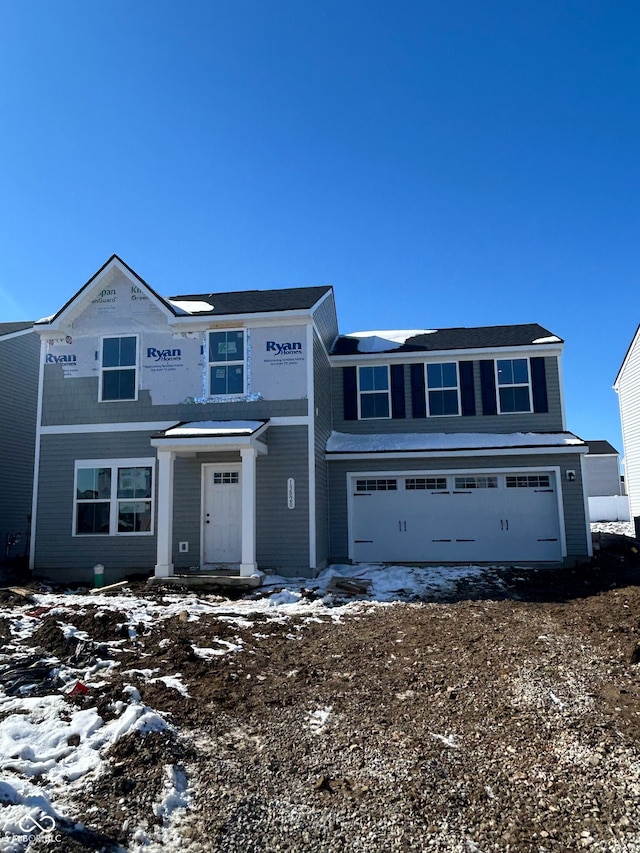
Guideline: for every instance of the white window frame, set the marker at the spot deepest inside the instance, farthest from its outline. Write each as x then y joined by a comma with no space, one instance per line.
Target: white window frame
527,385
430,414
362,394
242,361
135,368
114,500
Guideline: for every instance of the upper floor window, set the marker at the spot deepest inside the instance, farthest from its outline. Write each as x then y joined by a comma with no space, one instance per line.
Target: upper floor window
226,363
374,394
119,365
114,496
514,385
442,387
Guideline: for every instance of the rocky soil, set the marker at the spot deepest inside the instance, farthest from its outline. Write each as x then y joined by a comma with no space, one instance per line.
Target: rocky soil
504,719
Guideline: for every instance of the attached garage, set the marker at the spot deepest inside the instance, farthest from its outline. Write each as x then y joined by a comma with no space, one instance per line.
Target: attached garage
455,517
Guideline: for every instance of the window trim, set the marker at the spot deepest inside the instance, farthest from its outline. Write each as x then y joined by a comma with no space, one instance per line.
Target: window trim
369,393
456,363
135,368
528,385
242,361
114,500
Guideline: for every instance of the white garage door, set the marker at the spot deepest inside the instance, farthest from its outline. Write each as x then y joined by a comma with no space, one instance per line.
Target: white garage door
455,518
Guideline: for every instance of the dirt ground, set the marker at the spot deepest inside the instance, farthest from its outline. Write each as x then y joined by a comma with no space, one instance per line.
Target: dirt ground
504,719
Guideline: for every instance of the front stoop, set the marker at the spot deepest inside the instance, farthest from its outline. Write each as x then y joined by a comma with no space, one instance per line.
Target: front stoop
210,582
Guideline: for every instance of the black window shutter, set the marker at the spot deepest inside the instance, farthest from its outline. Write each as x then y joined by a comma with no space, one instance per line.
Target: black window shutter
397,391
467,388
539,385
350,393
488,386
418,394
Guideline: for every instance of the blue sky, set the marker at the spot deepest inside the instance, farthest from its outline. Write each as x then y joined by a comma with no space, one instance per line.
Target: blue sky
459,163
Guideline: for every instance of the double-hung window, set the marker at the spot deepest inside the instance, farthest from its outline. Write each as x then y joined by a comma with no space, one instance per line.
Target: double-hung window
443,390
113,497
226,363
118,368
374,392
514,385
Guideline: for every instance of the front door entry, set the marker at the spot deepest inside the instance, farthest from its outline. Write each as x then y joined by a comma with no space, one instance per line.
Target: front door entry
222,514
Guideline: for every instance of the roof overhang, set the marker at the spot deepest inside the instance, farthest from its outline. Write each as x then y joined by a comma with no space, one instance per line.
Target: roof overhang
424,445
207,436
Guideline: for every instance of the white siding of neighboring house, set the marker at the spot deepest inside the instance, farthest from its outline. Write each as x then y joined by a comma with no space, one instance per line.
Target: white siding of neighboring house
628,388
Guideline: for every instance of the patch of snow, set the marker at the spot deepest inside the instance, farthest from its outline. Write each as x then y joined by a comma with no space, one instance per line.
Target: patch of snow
383,341
619,528
191,306
551,339
340,442
447,740
214,428
211,653
318,719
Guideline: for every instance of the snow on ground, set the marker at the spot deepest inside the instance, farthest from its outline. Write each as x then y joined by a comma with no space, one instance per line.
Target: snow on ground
50,749
621,528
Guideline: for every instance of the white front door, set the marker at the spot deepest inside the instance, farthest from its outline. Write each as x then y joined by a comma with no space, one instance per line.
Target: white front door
222,514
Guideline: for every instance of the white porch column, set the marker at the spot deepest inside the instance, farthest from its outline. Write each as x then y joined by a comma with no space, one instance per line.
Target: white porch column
164,565
248,566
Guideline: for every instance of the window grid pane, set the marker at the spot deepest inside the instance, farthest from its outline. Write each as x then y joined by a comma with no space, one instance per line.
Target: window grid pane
528,481
376,485
226,346
432,484
476,482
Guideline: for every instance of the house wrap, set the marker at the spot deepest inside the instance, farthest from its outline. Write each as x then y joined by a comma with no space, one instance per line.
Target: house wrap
240,429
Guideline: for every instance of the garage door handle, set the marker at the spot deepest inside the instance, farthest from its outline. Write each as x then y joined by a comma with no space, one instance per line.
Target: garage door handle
402,526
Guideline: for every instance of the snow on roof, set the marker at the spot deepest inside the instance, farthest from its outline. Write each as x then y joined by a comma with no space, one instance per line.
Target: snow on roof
551,339
340,442
191,307
383,341
213,428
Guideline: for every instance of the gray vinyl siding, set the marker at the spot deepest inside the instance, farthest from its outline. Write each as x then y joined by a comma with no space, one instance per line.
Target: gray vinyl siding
58,553
550,421
282,534
322,424
19,365
326,322
602,475
75,401
629,397
572,491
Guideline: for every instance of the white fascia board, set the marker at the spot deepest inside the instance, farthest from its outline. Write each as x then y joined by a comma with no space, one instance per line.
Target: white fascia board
204,322
36,460
148,426
527,350
443,453
197,445
129,426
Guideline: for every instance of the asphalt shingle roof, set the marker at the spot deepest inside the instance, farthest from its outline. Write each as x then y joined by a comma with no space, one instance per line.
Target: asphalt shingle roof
601,448
257,301
10,328
477,337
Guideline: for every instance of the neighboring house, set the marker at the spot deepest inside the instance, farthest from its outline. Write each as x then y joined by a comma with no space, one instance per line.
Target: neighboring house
19,360
627,386
240,430
604,485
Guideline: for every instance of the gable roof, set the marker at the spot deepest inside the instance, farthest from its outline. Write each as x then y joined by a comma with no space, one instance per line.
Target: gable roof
12,328
254,301
478,337
601,448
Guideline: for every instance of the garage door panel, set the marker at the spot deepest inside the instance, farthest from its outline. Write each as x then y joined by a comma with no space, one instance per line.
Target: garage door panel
456,518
